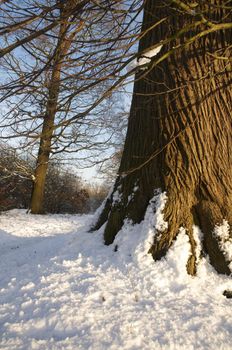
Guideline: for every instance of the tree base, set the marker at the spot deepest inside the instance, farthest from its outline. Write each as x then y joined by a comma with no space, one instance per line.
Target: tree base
206,215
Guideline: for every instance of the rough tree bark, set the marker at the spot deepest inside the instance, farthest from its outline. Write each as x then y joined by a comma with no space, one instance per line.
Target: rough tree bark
63,45
179,136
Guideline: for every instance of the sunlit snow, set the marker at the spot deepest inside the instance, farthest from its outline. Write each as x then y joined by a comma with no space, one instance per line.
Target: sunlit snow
61,288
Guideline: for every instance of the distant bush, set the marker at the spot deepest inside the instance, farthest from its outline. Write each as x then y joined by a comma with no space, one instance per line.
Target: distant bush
64,193
15,180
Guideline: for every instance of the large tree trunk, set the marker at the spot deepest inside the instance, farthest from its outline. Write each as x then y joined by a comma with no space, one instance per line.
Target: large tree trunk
179,135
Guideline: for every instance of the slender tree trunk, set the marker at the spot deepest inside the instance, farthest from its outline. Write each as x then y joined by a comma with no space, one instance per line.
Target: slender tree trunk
61,50
42,165
179,136
46,140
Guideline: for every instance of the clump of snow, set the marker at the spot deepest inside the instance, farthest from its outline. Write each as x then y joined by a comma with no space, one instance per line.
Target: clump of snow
143,234
222,233
116,197
198,236
154,220
144,59
62,288
132,195
147,56
116,194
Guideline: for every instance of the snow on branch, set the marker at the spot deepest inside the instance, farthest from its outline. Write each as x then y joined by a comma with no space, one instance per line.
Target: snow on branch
145,58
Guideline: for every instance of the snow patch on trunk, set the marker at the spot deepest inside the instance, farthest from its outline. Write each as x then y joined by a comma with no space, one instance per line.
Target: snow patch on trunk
137,248
222,233
198,237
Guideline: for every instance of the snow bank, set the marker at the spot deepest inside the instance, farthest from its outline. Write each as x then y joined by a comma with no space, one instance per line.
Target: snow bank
61,288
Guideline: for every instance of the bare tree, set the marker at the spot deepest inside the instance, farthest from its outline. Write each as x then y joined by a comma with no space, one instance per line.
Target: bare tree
64,79
17,17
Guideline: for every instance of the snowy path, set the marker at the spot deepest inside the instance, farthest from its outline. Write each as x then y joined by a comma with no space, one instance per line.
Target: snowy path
61,288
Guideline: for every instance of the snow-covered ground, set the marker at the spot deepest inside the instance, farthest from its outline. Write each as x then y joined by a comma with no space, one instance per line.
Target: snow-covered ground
61,288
